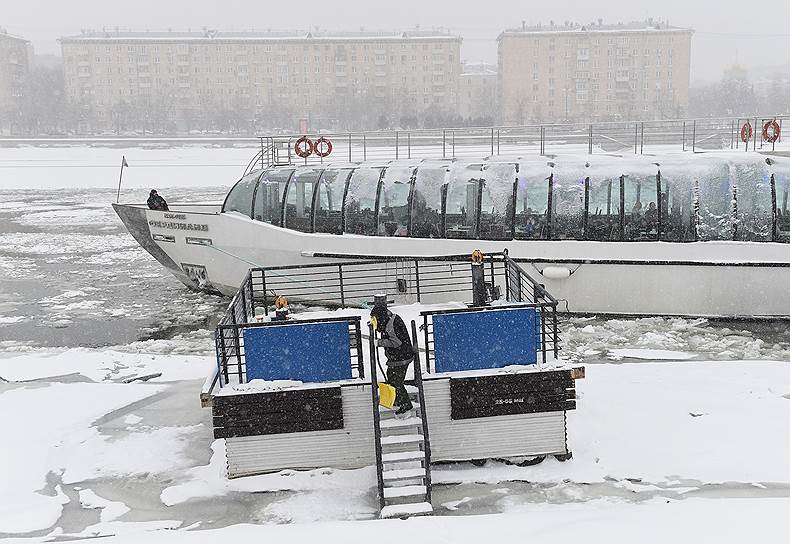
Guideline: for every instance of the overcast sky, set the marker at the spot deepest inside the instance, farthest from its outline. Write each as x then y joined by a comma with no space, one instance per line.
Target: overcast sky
756,33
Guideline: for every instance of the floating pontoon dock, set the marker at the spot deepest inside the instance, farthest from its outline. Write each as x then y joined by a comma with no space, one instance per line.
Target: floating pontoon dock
302,393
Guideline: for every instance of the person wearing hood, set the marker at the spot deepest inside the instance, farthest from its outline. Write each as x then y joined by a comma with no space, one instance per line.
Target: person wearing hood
396,341
156,202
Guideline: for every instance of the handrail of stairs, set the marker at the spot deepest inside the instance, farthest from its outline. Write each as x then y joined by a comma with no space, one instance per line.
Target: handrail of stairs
374,391
423,411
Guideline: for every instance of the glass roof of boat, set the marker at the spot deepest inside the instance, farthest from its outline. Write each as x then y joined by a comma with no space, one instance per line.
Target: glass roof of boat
675,197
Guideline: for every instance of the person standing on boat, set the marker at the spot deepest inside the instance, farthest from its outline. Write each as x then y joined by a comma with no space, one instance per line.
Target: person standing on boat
156,202
396,341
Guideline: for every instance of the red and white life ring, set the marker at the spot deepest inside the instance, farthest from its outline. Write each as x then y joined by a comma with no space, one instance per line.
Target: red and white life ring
322,147
771,131
303,147
746,132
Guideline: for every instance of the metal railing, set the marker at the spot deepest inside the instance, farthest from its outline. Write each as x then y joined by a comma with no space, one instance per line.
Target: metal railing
354,283
374,391
423,410
231,354
546,328
602,137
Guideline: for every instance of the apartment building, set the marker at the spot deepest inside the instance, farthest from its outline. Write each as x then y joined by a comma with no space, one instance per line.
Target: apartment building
312,75
593,72
477,95
15,53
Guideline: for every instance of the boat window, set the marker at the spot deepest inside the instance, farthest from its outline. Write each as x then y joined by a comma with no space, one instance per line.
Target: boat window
715,205
496,202
603,209
299,199
360,204
426,212
640,207
393,216
329,201
462,200
532,204
752,184
678,216
268,197
567,208
239,198
782,182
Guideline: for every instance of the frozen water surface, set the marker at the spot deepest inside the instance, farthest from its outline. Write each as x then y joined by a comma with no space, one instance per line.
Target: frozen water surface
103,354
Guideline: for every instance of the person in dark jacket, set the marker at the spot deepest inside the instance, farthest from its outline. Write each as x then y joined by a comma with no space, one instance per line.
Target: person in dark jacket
156,202
396,341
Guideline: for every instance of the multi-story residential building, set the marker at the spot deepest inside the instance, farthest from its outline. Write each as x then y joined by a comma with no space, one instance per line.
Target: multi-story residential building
317,76
593,72
15,56
477,96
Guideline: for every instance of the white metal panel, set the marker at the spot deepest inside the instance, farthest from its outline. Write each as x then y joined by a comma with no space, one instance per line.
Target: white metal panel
353,446
487,437
350,447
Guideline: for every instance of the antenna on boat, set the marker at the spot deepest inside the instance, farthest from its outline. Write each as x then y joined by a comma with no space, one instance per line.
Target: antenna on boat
120,179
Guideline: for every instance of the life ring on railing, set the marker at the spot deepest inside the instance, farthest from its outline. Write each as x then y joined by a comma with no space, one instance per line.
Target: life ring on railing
322,147
746,132
303,147
771,131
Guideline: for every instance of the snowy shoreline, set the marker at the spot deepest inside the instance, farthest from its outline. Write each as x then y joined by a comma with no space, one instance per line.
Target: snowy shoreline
644,434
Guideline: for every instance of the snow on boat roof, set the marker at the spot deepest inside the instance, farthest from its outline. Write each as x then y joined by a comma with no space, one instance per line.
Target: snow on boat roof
582,165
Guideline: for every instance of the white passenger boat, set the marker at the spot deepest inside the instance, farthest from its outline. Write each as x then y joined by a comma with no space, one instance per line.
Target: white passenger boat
687,234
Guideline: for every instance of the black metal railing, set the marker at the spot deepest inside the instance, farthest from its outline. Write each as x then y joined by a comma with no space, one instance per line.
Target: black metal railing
546,328
423,410
374,391
353,283
231,355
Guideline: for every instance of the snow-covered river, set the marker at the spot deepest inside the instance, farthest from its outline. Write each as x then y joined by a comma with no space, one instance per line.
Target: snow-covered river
679,421
70,274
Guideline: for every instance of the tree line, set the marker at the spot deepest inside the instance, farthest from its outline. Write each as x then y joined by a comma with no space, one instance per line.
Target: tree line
44,109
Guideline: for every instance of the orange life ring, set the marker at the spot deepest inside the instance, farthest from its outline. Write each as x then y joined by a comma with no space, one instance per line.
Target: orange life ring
746,132
771,131
322,147
303,147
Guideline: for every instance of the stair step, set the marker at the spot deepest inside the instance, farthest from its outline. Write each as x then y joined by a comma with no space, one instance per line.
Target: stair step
395,423
401,439
411,509
405,491
383,410
403,474
402,456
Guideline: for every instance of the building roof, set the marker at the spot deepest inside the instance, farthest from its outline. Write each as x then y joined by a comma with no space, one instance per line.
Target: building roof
257,36
478,69
648,25
5,35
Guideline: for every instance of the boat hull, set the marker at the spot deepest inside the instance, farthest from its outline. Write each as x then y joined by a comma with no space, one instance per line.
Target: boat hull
213,251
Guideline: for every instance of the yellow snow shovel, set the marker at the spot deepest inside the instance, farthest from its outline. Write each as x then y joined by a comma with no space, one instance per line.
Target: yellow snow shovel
386,395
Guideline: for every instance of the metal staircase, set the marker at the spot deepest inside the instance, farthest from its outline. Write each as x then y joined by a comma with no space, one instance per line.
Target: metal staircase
403,452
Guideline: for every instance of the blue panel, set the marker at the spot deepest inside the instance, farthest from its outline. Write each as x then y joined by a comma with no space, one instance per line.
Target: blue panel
310,352
485,339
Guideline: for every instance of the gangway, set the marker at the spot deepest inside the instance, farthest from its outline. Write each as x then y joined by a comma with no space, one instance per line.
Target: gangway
403,448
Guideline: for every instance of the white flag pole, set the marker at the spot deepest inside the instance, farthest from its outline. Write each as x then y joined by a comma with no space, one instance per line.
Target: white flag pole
120,179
